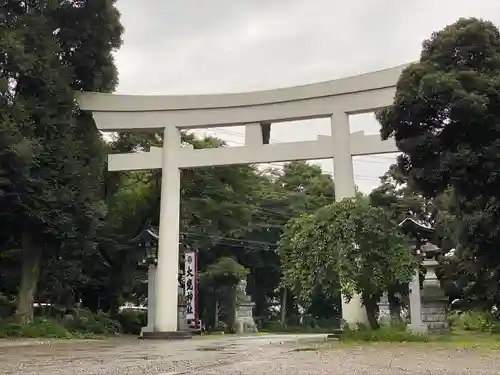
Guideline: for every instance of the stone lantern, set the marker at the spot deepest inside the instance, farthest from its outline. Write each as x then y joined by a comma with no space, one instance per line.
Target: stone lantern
434,301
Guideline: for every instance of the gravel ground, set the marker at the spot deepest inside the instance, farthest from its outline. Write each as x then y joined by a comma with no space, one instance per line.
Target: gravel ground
259,355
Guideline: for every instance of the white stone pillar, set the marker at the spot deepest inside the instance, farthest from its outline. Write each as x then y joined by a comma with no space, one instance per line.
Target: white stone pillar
151,299
151,295
253,135
168,246
416,325
353,312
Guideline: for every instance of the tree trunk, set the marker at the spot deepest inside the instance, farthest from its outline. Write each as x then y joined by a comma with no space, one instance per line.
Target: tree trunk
283,308
394,307
231,313
216,314
30,273
372,310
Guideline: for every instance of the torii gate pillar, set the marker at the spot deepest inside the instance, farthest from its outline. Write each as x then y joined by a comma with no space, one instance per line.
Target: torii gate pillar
343,176
168,247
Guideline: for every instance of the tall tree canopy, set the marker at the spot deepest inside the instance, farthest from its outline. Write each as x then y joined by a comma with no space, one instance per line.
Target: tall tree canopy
53,152
446,121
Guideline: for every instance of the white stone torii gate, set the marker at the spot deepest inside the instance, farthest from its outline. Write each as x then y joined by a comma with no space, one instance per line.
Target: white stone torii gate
334,99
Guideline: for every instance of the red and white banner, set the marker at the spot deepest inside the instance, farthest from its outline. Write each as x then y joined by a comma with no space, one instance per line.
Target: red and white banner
191,284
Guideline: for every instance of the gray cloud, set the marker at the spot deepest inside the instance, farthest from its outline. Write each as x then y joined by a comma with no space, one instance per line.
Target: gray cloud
199,46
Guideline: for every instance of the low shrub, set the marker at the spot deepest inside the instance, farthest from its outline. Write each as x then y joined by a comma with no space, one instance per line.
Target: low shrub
81,324
314,326
85,321
270,326
474,321
223,327
383,334
132,321
39,328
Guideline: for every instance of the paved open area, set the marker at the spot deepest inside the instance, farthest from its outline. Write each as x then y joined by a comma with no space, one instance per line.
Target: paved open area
268,354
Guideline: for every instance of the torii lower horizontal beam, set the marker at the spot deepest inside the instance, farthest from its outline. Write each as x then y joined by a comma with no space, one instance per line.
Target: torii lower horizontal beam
322,148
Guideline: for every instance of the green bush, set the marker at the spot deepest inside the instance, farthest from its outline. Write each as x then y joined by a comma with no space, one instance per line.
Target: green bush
222,327
85,321
474,321
271,326
82,324
132,321
40,327
384,334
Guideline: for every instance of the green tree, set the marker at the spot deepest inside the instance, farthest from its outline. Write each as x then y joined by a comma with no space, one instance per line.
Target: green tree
218,286
350,244
278,196
255,206
400,200
215,210
446,121
53,209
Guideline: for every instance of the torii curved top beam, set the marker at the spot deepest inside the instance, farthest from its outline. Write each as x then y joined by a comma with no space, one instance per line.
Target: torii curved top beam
356,94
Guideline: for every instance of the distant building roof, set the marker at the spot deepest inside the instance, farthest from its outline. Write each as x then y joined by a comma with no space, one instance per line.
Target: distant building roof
146,234
415,226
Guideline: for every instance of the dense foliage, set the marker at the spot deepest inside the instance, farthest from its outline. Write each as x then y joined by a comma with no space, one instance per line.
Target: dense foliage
350,243
446,121
50,201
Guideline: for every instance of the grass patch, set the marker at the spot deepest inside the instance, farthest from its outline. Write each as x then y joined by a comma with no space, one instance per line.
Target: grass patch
399,337
475,321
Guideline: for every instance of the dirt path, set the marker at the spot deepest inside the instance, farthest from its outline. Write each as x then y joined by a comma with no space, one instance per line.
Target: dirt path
260,355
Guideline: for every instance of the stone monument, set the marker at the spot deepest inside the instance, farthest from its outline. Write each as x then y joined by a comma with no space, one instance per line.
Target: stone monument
244,322
384,315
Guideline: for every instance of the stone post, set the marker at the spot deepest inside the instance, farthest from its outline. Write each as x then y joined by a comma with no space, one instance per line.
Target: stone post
181,312
416,325
151,300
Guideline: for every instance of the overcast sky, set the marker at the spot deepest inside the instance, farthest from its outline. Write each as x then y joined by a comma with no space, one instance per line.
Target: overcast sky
214,46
